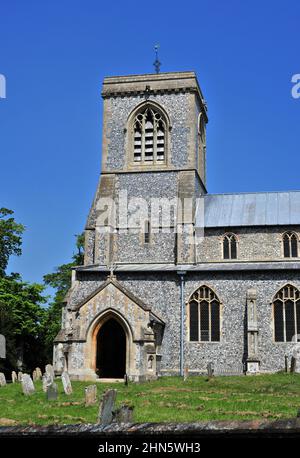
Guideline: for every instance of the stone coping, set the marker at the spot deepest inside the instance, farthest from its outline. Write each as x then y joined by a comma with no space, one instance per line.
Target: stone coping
287,427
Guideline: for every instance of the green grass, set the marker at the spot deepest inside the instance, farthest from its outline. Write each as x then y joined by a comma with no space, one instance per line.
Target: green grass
168,399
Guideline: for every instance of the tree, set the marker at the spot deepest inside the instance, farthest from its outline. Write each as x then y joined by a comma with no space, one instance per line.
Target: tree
10,238
21,316
60,280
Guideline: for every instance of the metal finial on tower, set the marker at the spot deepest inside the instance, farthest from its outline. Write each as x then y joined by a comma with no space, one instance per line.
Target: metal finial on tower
157,63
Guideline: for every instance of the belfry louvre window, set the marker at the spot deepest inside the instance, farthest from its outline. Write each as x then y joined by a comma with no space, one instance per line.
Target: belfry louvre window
149,135
290,245
229,246
286,309
204,309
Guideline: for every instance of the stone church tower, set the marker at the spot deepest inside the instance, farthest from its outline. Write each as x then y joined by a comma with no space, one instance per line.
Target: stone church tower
175,277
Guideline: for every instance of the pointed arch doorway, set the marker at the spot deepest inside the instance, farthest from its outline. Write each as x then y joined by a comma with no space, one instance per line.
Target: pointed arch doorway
111,350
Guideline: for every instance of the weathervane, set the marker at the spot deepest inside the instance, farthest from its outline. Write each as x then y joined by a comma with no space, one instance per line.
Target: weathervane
157,63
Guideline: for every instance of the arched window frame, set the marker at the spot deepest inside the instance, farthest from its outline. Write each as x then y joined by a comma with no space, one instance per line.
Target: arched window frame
291,235
130,143
229,236
287,293
198,296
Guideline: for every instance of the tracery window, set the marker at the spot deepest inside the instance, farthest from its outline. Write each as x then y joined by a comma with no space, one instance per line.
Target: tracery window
229,246
149,136
204,310
290,245
286,309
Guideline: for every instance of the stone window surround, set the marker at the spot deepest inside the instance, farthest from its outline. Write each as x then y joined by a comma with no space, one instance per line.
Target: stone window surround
281,240
187,305
129,138
221,242
284,342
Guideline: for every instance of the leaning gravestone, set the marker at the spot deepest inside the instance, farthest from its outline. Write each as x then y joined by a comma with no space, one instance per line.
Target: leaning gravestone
66,383
2,379
52,392
107,406
27,385
90,395
49,371
14,377
2,347
20,375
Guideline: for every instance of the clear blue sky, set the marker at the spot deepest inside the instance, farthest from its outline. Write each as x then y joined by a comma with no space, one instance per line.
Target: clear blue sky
54,55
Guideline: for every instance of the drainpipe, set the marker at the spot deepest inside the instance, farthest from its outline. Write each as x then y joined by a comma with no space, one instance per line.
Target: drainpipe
181,274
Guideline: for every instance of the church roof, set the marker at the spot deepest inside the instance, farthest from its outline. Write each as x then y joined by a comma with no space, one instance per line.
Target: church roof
250,209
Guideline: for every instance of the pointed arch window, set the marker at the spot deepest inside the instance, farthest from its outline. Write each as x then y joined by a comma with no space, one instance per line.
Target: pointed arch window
230,246
290,245
204,311
149,136
286,312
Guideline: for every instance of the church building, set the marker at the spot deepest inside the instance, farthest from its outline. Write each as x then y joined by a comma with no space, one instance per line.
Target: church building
175,278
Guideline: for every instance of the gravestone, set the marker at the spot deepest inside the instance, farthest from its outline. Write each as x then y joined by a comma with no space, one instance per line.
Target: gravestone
50,371
2,347
52,392
20,375
123,415
210,370
106,408
293,364
90,395
38,373
27,385
46,381
14,377
2,379
34,377
66,383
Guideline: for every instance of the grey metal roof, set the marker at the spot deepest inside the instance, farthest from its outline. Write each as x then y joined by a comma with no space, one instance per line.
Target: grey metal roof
250,209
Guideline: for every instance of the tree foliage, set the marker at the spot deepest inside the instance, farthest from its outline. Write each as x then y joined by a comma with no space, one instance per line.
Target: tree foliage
10,238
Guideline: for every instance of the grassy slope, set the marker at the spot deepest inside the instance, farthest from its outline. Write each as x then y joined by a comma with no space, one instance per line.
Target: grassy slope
168,399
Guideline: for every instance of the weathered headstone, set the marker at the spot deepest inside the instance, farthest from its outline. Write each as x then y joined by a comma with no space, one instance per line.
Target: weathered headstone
2,379
27,385
107,405
123,415
34,377
66,383
46,381
2,347
38,373
50,371
90,395
14,377
52,392
210,370
293,364
20,375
